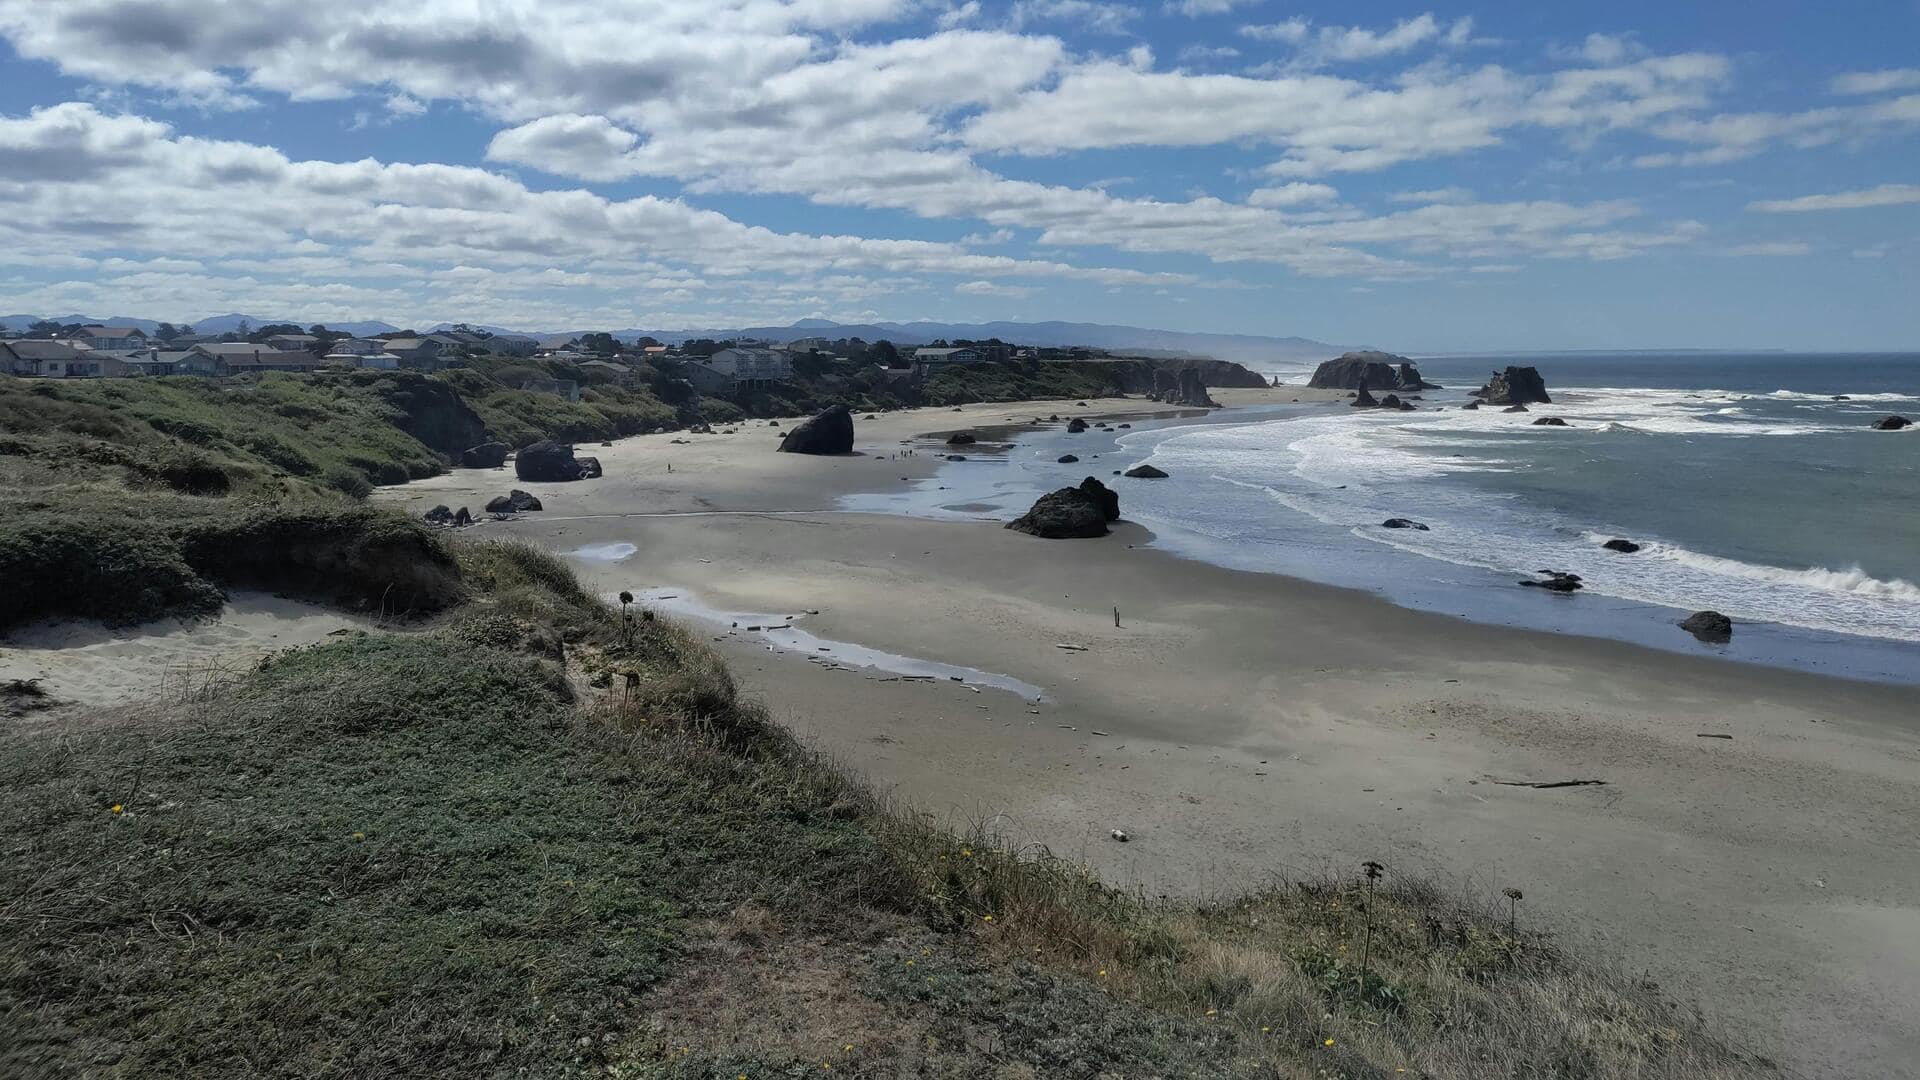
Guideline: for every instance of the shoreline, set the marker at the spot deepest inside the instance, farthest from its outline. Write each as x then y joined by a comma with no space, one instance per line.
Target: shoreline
1258,725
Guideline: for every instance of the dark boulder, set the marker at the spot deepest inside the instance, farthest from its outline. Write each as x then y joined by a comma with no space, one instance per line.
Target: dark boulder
1356,371
441,515
961,438
956,457
1191,390
1549,421
589,468
1403,523
1364,400
1709,626
488,455
1071,512
1471,405
461,518
1165,385
1077,426
1624,547
513,502
1410,378
552,462
1515,408
1514,386
831,432
1556,581
1892,423
1145,472
1067,459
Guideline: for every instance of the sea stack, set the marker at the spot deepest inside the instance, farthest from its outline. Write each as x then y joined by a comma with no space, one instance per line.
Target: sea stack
1514,386
1071,512
1368,367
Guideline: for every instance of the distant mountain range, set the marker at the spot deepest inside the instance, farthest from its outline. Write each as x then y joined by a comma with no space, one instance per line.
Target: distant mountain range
1260,353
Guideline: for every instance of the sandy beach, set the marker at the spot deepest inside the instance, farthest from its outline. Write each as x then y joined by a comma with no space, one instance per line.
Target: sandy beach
1750,847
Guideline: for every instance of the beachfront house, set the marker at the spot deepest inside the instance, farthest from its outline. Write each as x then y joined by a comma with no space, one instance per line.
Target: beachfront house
938,358
236,357
293,342
112,338
416,352
380,361
511,344
355,346
751,365
59,360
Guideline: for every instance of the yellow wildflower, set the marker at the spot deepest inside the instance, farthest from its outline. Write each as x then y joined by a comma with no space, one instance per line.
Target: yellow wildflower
986,918
115,808
1329,1042
1103,973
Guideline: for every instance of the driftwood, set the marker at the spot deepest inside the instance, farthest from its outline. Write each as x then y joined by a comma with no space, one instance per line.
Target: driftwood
1551,783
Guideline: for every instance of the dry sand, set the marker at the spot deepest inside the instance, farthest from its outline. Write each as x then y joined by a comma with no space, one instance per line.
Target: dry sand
1243,726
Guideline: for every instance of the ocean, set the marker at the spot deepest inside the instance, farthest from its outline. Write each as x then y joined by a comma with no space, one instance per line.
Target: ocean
1752,490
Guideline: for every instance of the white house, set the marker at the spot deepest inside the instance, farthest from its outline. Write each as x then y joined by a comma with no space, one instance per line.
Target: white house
748,365
116,338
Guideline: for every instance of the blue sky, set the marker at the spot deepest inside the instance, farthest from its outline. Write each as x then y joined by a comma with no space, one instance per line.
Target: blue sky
1495,177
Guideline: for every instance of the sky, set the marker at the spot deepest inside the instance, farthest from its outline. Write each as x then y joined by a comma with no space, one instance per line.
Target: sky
1501,176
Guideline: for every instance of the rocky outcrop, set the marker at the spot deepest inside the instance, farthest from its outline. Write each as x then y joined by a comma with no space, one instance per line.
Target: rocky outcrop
830,432
1556,581
553,462
1145,472
1369,367
1067,459
1365,400
1071,513
1549,421
1076,426
441,515
1403,523
1471,405
1709,626
1392,401
961,438
513,502
1184,387
1515,408
1892,423
1514,386
488,455
1624,547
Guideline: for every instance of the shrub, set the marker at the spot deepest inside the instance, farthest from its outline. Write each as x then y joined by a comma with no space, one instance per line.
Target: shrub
347,481
90,567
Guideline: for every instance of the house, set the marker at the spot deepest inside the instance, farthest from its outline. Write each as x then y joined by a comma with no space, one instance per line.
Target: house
356,346
293,342
235,357
705,379
53,360
749,365
118,338
379,361
936,358
565,388
416,352
512,344
607,367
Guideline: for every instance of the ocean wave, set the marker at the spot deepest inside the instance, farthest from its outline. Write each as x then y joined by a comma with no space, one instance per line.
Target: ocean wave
1851,582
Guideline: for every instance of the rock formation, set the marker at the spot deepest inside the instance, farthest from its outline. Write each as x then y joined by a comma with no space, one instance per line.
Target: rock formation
1556,581
1145,472
830,432
1071,512
488,455
961,438
1364,400
1709,626
1067,459
1892,423
1549,421
1624,547
1514,386
1403,523
553,462
1356,370
1076,426
513,502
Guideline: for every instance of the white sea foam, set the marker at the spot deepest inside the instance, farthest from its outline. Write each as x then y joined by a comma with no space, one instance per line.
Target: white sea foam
1855,581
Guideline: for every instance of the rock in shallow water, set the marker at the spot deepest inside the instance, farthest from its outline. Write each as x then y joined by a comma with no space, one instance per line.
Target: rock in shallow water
1145,472
1892,423
1624,547
1071,513
1403,523
1556,581
1709,626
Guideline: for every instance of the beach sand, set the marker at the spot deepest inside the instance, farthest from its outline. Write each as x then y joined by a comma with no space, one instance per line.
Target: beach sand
1245,727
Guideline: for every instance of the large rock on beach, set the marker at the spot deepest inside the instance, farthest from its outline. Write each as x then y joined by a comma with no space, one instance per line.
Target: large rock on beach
1514,386
1071,513
961,438
831,432
488,455
513,502
1709,626
1076,426
549,462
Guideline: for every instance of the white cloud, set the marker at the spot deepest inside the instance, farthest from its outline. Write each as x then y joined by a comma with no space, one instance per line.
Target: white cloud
992,288
958,15
1877,82
1770,250
1351,43
1434,195
1292,31
1197,8
1294,194
1736,136
1884,195
1099,16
